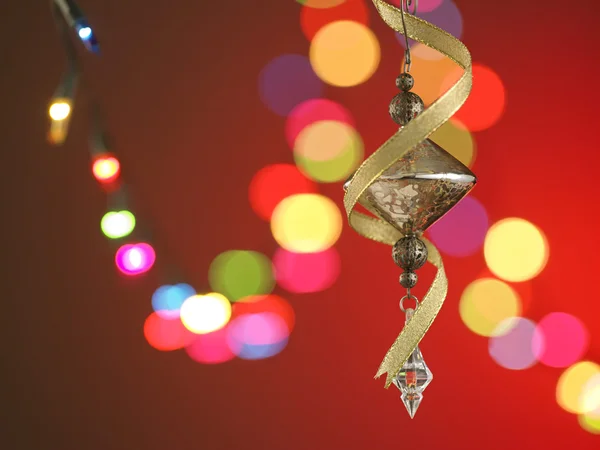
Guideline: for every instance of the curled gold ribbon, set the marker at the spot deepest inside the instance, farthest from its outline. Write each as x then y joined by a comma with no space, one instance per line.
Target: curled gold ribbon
391,151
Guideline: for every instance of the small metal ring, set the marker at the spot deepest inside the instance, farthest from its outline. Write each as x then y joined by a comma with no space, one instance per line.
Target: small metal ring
402,308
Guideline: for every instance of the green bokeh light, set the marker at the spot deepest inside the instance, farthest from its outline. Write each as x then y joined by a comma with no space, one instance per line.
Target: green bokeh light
117,224
590,423
337,168
237,274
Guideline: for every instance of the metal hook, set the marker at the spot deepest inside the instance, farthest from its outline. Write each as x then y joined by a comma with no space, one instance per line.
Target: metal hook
405,8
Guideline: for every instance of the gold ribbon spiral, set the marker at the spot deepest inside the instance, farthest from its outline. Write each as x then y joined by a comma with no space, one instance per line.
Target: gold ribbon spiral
394,149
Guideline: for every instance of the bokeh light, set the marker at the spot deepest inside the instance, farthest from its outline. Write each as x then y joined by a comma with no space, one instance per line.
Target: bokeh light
429,76
135,259
523,289
106,168
446,16
425,6
264,351
240,273
590,423
167,299
461,232
488,303
257,336
210,348
202,314
259,304
514,349
325,140
306,272
60,109
560,340
345,53
166,334
257,329
117,224
275,182
572,383
311,111
590,397
515,250
456,140
485,106
321,4
287,81
338,142
306,223
312,19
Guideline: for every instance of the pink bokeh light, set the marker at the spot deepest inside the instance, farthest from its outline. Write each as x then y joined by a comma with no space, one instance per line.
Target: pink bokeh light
560,340
306,272
135,259
256,329
210,348
462,231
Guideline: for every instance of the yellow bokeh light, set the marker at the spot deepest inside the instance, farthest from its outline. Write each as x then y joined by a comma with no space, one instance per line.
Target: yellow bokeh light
456,140
59,109
324,140
590,423
571,386
487,303
328,151
306,223
344,53
589,400
203,314
429,76
515,250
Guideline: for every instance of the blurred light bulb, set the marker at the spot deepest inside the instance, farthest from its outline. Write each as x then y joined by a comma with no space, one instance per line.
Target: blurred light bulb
60,109
117,224
135,259
106,168
85,33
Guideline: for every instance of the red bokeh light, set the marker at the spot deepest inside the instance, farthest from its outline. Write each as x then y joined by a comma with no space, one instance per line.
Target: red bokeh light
166,334
274,183
313,19
106,168
485,105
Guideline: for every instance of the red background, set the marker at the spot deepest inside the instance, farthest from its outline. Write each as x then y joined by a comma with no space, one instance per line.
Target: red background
174,79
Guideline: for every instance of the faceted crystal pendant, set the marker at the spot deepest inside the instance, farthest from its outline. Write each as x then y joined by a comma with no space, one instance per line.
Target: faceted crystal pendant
419,189
413,378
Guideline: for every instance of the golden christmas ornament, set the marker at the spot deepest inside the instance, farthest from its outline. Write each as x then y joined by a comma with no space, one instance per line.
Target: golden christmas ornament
408,184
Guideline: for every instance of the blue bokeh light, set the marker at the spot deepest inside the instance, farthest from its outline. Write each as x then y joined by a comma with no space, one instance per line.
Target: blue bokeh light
254,352
85,33
167,299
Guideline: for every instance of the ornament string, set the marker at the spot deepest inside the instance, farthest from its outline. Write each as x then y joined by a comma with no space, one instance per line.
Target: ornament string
394,149
405,4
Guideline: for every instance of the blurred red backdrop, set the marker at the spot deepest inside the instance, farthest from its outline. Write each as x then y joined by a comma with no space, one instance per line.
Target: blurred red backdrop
178,83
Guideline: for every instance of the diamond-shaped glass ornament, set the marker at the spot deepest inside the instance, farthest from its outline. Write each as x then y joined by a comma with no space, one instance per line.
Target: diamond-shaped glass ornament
413,378
419,189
